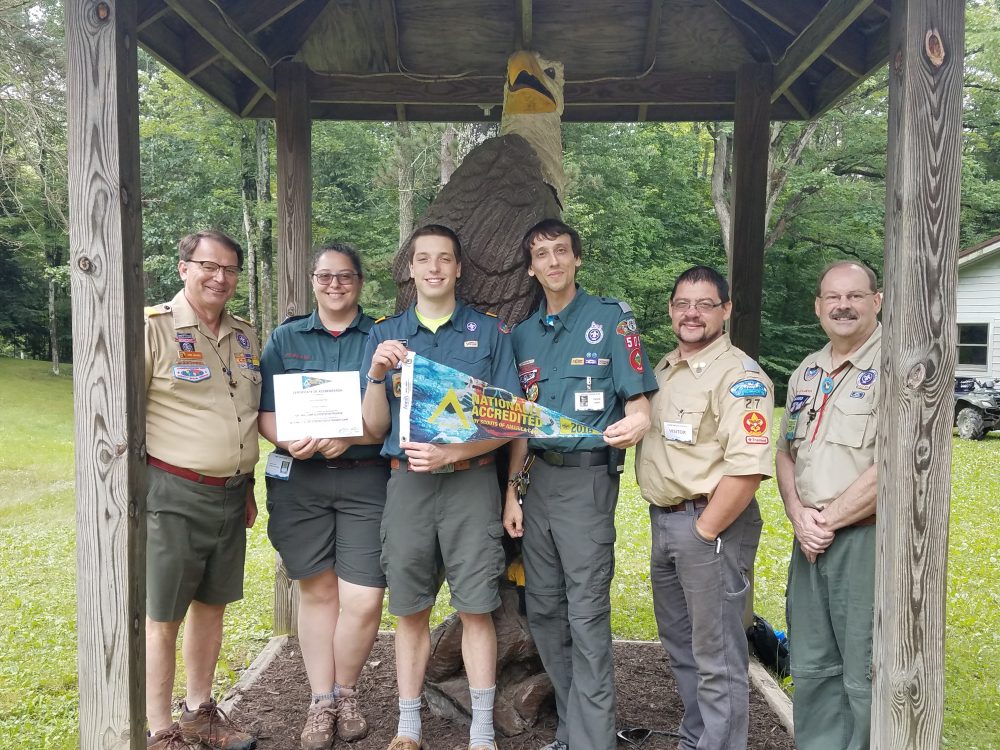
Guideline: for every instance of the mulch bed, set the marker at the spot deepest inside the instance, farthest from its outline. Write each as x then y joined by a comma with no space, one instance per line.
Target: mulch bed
275,705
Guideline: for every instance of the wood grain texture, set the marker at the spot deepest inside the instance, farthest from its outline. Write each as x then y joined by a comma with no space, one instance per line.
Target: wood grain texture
294,156
751,133
108,385
918,362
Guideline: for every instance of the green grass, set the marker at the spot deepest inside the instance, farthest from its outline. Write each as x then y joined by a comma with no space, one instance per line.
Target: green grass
37,609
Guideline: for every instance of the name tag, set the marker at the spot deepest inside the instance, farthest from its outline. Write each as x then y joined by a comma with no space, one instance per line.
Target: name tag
278,466
681,433
589,400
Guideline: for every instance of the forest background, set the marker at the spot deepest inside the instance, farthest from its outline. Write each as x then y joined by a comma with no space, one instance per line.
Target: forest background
649,199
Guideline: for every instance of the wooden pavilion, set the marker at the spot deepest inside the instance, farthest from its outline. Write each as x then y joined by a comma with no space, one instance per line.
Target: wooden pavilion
749,61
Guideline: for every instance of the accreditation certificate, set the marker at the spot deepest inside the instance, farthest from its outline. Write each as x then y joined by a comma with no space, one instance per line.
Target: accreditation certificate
318,405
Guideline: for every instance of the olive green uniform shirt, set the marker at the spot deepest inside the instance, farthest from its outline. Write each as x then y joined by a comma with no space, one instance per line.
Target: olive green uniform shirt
831,437
194,419
711,418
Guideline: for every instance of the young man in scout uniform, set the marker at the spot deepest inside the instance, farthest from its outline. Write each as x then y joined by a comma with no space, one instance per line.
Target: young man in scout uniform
202,393
699,466
581,356
828,482
442,512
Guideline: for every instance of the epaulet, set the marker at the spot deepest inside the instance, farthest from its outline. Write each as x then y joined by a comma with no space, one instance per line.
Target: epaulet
244,321
292,318
389,317
626,308
378,320
491,314
750,364
152,312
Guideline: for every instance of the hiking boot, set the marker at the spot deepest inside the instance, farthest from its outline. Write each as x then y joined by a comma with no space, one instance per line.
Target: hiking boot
480,746
405,743
321,720
555,745
351,725
172,738
214,729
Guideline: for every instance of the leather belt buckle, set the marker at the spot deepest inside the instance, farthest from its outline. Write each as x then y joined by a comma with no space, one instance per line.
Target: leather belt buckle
446,469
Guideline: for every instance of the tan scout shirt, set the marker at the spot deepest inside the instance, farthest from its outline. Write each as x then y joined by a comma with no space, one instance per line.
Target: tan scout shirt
711,418
831,437
193,418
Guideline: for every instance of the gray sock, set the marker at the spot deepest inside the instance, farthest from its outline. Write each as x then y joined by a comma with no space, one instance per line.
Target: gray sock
317,697
409,718
481,731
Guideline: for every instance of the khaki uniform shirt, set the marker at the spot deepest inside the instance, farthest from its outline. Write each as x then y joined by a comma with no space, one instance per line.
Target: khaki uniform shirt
194,419
711,418
831,437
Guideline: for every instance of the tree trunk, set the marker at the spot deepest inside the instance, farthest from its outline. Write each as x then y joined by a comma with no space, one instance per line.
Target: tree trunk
406,178
447,153
248,196
53,332
265,227
721,175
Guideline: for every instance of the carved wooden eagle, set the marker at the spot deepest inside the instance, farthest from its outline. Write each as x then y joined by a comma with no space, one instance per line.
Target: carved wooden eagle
503,187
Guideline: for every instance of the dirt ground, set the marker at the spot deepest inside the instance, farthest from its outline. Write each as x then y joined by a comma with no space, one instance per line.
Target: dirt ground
274,707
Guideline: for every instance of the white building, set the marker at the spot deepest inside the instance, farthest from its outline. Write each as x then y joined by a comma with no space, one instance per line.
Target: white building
979,310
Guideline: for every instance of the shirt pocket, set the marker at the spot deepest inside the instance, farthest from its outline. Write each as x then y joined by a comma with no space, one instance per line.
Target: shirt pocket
600,381
687,409
474,361
849,423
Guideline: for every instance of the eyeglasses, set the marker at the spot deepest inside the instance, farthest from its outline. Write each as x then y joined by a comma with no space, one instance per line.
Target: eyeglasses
702,305
344,278
212,268
852,298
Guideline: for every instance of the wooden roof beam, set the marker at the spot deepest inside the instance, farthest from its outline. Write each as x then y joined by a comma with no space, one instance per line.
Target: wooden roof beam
814,40
838,84
221,32
653,89
522,24
391,35
150,12
251,17
847,51
284,38
649,48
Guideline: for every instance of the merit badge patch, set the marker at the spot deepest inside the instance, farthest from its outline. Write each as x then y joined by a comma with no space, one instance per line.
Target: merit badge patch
798,402
810,373
471,326
595,334
627,326
192,374
748,388
242,340
866,378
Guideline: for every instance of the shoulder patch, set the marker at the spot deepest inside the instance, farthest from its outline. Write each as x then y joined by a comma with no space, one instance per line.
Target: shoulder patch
491,314
748,388
750,364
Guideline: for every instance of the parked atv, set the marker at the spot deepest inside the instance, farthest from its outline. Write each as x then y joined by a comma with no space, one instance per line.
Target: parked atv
977,407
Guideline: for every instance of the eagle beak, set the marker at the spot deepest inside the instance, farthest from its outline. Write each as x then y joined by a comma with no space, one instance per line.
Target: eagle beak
526,92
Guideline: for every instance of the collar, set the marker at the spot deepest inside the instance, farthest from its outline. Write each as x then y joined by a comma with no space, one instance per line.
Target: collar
700,361
863,359
568,315
315,323
459,316
185,316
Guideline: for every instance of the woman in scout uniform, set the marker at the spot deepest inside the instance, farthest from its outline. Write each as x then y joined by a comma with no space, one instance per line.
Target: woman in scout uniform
326,504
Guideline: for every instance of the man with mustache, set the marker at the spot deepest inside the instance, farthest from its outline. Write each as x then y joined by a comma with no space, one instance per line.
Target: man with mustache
828,482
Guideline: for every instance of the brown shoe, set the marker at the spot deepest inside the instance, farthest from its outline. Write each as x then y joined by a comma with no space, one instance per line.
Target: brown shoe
214,729
172,738
405,743
321,721
351,725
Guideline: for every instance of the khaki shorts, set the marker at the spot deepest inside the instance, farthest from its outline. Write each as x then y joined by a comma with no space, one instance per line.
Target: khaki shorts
443,526
195,544
322,519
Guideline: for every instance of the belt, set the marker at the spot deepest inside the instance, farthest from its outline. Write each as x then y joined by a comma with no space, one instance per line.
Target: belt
685,505
194,476
866,521
354,463
597,457
465,463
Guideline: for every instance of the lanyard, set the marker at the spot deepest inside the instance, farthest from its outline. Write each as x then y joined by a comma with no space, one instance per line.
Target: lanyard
828,387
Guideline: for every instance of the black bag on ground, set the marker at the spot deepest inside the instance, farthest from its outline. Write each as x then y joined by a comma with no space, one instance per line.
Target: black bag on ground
770,649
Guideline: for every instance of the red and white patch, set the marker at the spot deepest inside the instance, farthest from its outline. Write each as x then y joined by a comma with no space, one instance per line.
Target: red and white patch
755,424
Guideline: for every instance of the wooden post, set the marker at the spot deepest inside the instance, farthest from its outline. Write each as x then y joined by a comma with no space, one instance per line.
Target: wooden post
294,153
918,362
751,141
293,126
108,382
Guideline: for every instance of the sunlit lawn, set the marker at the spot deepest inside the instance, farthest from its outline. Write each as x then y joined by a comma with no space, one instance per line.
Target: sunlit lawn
37,608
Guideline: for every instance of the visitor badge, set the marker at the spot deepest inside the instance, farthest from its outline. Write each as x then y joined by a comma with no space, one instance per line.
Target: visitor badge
678,432
278,466
589,400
